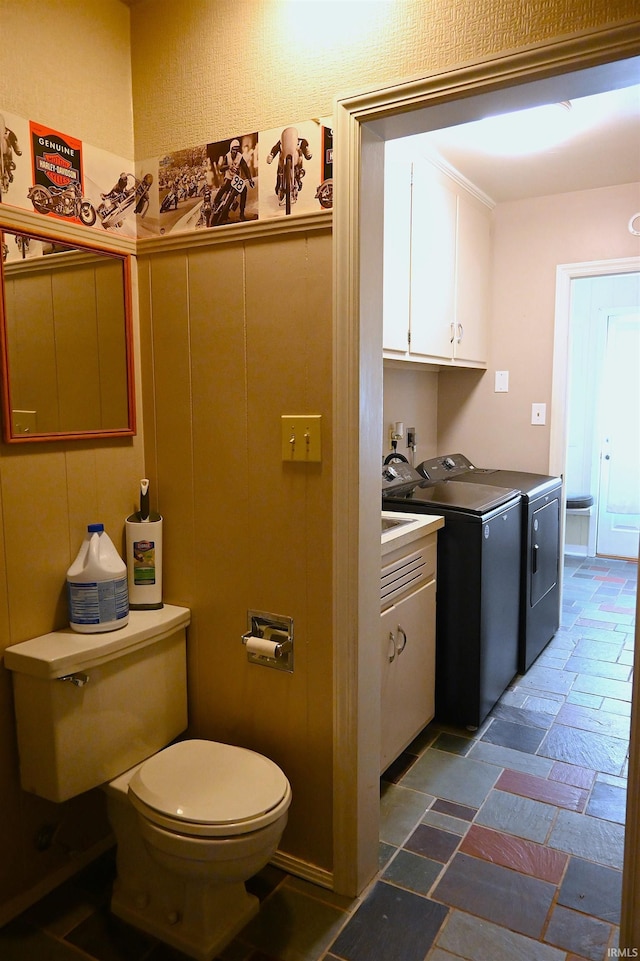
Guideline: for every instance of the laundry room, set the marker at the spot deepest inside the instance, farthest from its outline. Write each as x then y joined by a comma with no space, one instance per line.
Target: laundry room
474,238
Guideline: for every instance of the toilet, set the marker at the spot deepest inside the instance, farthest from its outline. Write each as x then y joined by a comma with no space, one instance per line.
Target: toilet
193,819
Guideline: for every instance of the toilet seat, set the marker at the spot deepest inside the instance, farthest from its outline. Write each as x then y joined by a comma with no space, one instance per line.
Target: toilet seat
208,789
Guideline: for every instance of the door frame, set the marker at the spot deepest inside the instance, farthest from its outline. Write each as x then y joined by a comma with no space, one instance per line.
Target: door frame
361,122
565,274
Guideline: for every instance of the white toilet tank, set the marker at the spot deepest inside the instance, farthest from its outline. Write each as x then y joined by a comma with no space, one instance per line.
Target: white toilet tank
90,706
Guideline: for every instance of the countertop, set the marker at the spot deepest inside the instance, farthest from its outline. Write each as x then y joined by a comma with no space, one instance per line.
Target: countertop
413,527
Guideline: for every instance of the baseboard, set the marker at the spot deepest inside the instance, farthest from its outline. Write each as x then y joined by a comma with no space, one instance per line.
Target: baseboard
302,869
11,909
576,550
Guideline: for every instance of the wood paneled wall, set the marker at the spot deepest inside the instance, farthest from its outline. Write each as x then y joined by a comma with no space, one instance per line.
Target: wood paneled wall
234,336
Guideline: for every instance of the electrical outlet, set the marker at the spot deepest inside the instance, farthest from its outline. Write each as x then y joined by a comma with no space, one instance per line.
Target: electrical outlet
411,437
538,414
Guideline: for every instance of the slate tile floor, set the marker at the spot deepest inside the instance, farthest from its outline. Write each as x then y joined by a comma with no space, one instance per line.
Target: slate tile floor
501,845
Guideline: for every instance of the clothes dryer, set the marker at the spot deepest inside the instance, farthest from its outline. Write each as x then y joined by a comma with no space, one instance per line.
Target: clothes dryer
540,599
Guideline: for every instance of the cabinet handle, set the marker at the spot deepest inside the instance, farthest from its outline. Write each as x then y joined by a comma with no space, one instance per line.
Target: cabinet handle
453,332
392,646
404,642
460,332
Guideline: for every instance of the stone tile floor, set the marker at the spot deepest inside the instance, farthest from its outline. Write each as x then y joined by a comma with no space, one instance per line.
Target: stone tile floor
504,844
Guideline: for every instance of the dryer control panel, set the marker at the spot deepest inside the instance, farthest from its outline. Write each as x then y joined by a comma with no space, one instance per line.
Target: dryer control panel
445,468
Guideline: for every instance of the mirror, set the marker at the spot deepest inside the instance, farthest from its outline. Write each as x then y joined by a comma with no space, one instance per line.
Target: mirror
66,340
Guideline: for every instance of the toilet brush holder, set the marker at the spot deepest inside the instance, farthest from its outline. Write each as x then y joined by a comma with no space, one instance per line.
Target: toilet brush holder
144,562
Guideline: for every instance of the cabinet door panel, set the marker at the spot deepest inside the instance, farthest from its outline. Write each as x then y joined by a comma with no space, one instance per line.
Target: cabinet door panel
473,270
433,258
408,681
397,250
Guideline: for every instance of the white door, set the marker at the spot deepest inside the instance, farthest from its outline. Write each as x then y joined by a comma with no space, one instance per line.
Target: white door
619,488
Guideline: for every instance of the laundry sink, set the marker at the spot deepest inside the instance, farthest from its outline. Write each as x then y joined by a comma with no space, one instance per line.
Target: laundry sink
389,523
398,529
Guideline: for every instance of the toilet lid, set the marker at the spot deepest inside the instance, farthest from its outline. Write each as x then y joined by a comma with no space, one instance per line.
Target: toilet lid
209,783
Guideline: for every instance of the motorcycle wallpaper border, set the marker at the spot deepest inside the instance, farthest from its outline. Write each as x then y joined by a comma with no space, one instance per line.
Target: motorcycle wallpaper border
87,185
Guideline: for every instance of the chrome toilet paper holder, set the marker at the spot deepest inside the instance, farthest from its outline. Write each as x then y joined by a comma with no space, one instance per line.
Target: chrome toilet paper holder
269,640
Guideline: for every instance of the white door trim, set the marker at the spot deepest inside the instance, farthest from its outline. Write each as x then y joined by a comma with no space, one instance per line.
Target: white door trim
358,167
565,273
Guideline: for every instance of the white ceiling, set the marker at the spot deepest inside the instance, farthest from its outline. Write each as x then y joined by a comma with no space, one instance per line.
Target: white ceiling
605,150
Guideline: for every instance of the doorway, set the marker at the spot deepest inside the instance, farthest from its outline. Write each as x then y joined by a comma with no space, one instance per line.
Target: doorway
362,124
598,317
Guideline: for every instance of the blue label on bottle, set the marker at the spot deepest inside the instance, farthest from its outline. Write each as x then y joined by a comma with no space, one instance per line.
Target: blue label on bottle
98,602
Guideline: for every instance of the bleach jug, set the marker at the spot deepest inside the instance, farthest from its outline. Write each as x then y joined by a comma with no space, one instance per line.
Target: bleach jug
97,585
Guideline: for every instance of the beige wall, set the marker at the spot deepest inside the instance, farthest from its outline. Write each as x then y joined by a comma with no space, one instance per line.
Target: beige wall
207,70
68,65
531,237
199,71
411,396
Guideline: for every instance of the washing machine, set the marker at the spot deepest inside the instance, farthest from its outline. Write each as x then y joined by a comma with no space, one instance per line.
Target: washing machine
540,596
478,586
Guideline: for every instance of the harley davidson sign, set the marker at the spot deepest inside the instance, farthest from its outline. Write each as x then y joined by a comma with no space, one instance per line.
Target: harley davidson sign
56,157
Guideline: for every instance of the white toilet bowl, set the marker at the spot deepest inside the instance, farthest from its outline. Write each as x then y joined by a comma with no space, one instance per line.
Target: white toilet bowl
193,823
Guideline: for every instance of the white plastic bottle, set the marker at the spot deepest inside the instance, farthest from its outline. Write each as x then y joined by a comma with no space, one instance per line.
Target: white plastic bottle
97,585
143,537
144,562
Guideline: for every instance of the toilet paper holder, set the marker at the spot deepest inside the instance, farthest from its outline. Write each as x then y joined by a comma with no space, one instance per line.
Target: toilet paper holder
269,640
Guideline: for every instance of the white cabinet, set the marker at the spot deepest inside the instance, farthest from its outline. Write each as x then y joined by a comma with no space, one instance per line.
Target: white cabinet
434,214
437,262
407,648
397,250
473,281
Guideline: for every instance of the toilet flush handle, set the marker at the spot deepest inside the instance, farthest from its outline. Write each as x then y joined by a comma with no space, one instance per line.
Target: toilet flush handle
79,680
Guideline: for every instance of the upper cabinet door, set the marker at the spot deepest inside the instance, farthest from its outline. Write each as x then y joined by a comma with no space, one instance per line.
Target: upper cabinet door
433,263
397,249
473,280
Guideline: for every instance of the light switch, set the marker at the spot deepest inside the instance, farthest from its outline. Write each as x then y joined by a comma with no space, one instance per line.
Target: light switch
538,414
301,438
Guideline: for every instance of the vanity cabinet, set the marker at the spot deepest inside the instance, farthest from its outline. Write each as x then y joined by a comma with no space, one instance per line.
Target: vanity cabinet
407,645
437,263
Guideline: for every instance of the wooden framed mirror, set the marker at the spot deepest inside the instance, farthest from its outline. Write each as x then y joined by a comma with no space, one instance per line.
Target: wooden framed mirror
66,343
